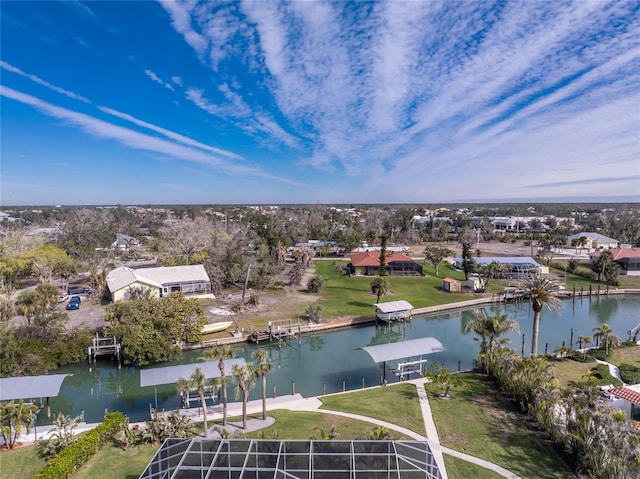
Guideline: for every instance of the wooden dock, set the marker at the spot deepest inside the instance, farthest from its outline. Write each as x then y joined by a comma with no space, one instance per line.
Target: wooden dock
104,347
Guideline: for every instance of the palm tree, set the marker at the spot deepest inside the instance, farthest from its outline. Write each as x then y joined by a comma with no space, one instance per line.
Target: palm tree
584,341
220,353
29,304
243,376
322,435
13,417
379,287
605,333
184,388
490,328
379,433
263,366
541,292
198,382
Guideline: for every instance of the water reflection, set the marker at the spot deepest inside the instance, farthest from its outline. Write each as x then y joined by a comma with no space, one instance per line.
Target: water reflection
331,361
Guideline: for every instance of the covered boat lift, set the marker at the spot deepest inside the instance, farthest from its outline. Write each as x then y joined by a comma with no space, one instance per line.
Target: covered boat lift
382,353
394,310
170,374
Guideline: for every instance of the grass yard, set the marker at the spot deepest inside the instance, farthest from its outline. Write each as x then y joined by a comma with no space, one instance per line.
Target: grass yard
301,424
570,372
459,469
343,296
480,422
629,355
114,463
21,463
397,403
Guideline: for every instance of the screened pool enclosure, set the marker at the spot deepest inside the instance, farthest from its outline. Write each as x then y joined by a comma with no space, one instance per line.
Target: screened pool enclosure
308,459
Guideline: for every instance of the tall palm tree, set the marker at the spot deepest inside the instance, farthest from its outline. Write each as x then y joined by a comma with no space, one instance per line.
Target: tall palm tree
584,341
541,292
220,353
184,388
243,376
198,382
606,335
262,368
490,328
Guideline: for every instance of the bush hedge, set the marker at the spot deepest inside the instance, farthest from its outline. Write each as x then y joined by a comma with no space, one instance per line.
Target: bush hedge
72,457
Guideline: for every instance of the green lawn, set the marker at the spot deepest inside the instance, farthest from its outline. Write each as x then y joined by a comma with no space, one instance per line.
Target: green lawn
480,422
114,463
343,296
21,463
300,425
629,355
570,372
382,403
460,469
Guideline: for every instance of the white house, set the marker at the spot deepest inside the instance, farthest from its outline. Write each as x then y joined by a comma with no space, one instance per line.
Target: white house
191,280
628,400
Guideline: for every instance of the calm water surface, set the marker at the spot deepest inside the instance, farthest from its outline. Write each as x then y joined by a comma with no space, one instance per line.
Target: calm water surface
330,361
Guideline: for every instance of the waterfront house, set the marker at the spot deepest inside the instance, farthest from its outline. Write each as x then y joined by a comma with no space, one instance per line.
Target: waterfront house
627,258
397,264
191,280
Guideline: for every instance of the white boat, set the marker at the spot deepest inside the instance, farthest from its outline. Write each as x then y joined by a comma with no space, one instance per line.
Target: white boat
215,327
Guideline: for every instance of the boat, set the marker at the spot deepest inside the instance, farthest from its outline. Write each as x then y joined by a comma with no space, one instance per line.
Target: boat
215,327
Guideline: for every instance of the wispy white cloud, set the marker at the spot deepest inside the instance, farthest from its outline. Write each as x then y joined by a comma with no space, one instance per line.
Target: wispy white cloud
40,81
177,80
383,88
158,80
132,138
170,134
181,21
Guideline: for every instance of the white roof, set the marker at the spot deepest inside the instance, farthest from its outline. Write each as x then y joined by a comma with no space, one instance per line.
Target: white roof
171,374
31,387
403,349
122,277
593,237
393,306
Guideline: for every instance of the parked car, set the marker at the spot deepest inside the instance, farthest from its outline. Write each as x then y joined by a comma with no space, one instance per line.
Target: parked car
74,302
78,290
63,297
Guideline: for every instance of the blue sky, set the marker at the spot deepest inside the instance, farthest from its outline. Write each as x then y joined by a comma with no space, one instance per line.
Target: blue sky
318,102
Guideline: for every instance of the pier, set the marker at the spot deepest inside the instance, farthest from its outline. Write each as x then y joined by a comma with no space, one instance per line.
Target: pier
103,347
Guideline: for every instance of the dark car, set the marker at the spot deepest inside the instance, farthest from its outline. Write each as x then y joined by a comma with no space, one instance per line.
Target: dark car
78,290
74,302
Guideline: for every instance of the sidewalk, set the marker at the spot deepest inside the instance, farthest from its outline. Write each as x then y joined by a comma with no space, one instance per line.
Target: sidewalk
297,402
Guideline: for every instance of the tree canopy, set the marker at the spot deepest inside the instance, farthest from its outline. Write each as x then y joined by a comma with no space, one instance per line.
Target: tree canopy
152,330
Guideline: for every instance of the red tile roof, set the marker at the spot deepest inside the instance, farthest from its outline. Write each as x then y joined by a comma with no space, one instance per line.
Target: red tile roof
372,258
620,253
626,393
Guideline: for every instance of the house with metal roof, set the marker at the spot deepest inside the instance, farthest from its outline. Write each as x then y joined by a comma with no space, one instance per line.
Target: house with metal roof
514,267
593,240
191,280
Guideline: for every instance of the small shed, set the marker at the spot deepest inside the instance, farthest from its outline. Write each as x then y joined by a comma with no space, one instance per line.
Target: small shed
451,285
474,283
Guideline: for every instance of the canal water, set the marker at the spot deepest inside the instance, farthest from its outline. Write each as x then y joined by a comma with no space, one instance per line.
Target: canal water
331,362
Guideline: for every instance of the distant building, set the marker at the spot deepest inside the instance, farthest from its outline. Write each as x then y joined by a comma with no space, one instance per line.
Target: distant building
594,240
513,267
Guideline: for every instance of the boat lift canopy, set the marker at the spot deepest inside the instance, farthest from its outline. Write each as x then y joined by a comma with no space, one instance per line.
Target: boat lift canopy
403,349
171,374
31,387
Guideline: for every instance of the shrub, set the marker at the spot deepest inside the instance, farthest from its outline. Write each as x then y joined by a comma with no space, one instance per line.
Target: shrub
315,284
630,374
75,455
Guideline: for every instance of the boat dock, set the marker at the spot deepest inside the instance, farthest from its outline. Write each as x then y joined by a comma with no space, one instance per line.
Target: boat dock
103,347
